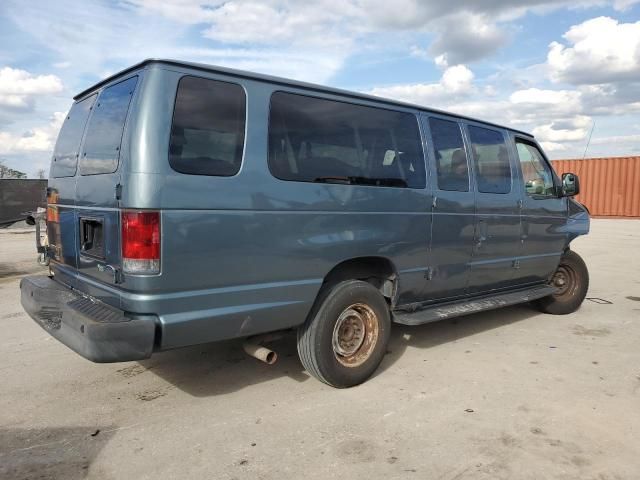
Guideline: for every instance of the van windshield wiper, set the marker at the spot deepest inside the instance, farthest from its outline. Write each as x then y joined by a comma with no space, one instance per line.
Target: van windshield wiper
358,180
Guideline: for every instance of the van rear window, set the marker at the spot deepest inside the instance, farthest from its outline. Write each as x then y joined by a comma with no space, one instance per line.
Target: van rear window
320,140
207,133
104,132
65,154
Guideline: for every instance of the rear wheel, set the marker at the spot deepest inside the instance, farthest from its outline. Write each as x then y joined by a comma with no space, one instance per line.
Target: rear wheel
345,337
572,282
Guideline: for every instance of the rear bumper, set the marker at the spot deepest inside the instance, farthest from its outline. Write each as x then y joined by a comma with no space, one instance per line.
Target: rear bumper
92,329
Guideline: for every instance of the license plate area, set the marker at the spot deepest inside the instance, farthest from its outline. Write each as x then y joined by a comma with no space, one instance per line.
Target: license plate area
92,237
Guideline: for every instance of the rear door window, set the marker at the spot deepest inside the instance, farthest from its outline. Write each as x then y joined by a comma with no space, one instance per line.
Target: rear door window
104,132
207,133
321,140
451,159
65,153
493,171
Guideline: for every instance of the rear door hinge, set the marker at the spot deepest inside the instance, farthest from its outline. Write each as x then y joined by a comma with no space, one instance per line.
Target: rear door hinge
118,191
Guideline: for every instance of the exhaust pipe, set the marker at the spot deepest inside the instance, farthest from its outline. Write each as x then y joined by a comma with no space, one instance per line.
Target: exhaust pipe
253,346
261,353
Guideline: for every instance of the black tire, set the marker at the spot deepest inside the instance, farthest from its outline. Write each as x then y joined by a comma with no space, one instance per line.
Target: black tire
340,310
572,280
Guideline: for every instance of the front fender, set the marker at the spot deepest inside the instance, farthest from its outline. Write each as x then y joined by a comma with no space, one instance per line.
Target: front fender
578,220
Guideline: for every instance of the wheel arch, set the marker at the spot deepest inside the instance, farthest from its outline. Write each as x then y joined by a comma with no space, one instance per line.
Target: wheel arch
378,271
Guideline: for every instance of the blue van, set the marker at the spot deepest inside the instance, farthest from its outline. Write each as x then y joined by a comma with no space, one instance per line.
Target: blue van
190,203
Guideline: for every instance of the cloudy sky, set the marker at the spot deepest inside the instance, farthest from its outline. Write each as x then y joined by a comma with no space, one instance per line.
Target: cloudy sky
552,67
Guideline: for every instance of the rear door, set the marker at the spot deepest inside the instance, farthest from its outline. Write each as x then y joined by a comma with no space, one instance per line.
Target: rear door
453,209
61,191
544,214
98,183
497,198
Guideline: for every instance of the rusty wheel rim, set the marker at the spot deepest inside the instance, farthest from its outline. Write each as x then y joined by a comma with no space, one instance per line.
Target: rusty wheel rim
355,335
565,280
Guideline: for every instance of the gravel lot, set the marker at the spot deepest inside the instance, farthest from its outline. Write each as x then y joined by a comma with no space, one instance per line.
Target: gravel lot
509,394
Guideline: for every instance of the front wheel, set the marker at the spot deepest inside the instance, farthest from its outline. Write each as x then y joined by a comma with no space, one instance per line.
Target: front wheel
572,282
345,337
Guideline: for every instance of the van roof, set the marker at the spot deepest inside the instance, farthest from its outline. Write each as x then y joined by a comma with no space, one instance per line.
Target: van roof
282,81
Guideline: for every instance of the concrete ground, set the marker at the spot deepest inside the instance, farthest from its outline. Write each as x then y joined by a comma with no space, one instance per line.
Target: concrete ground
509,394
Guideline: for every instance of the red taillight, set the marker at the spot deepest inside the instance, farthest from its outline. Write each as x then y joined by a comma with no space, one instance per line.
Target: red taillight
141,242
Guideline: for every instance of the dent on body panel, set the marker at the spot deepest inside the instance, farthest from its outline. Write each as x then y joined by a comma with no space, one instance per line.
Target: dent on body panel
332,223
341,237
578,220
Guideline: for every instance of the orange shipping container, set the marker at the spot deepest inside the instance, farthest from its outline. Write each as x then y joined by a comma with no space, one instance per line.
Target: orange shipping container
608,186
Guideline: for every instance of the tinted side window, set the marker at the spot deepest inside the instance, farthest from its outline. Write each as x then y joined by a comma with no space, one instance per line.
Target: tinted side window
538,179
207,133
451,159
104,132
65,154
493,172
313,139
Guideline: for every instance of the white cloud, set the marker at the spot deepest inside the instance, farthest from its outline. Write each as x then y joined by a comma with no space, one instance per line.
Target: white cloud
547,103
184,11
569,130
311,45
600,50
308,65
245,22
466,37
93,35
19,87
423,53
613,145
618,139
405,14
456,82
441,61
623,5
544,97
314,41
553,147
466,30
457,79
303,40
39,139
554,116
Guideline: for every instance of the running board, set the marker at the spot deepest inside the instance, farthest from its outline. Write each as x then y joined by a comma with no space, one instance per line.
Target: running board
458,308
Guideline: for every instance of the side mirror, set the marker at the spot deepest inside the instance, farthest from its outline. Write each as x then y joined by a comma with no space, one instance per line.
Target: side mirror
570,184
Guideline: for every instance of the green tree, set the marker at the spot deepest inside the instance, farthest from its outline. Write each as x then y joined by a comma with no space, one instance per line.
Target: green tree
6,172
